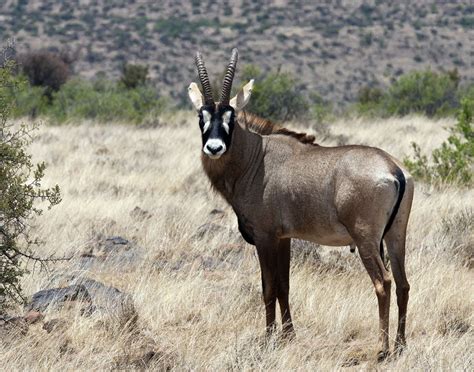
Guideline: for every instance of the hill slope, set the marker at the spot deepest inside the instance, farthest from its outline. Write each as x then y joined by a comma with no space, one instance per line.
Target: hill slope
335,48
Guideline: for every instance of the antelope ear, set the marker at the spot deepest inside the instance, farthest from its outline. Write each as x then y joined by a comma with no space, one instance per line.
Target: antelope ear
243,97
195,96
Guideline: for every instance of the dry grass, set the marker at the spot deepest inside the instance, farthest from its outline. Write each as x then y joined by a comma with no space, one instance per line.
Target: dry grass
210,316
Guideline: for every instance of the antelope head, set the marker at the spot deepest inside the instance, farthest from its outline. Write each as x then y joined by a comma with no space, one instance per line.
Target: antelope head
217,119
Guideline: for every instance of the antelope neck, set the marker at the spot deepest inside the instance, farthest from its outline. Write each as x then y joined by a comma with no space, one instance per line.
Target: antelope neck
238,165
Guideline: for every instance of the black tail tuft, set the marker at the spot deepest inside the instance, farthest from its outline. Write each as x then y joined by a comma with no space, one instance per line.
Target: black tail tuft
401,190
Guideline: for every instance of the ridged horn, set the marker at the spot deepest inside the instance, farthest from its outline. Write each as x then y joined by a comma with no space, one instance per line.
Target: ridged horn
204,79
229,77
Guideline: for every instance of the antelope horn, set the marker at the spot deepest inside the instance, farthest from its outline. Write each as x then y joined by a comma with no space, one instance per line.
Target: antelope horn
229,77
206,85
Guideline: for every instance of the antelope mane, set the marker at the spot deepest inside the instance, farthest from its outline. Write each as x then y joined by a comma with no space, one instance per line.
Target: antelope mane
265,127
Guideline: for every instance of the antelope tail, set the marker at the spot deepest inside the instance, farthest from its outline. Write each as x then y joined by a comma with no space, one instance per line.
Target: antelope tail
400,184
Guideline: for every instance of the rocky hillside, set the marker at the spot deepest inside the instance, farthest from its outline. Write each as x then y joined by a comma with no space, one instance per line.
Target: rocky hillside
335,47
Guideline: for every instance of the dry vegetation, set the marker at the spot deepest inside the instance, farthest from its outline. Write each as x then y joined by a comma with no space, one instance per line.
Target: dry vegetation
199,299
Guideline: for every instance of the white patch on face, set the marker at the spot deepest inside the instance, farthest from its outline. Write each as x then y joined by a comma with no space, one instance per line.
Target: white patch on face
214,144
206,116
226,120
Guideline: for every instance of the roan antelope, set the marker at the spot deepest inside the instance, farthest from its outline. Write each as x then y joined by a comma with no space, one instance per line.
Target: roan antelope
281,186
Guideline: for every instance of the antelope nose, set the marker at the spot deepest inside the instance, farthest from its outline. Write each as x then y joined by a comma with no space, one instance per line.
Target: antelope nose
214,149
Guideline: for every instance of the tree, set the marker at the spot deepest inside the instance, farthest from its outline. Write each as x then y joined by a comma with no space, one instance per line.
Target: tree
20,189
134,76
46,69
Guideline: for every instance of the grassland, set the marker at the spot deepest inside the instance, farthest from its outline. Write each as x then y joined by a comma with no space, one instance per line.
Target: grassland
199,299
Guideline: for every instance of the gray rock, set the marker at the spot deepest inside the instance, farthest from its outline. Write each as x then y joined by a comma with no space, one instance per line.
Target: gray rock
105,300
57,297
96,299
110,252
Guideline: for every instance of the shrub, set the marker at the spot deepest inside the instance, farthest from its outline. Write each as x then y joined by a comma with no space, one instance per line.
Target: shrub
453,161
276,95
104,101
423,92
369,99
45,69
320,109
134,75
20,188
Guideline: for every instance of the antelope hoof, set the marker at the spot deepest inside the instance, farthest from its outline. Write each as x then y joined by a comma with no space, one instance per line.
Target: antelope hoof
399,347
382,355
288,334
270,331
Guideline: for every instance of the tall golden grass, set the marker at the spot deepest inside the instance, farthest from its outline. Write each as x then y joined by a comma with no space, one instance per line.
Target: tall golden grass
197,316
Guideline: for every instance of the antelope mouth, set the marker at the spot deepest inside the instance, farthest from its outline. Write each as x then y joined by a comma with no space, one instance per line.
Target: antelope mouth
214,148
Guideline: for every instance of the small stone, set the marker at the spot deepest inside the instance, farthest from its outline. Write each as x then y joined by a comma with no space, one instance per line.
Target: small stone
216,212
33,317
140,214
54,325
12,325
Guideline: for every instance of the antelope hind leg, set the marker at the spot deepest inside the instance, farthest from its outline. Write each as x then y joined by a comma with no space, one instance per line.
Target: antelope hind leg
369,253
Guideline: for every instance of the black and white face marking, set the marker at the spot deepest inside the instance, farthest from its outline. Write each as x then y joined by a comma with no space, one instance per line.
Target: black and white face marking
217,125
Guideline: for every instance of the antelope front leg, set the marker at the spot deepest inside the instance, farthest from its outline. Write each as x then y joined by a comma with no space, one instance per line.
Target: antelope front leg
267,255
284,287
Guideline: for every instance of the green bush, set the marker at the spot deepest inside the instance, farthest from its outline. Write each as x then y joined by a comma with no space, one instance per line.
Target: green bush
369,100
133,75
101,100
104,101
20,188
421,92
453,161
276,95
321,110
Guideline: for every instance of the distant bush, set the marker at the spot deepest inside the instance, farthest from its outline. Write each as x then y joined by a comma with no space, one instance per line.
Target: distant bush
104,101
369,99
45,69
453,161
424,92
134,75
276,95
101,100
320,109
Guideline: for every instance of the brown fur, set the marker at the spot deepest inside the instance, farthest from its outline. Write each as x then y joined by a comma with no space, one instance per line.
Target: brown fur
281,189
266,127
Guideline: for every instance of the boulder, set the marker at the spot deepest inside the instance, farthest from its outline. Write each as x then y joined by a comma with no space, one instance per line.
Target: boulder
106,301
93,298
56,298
